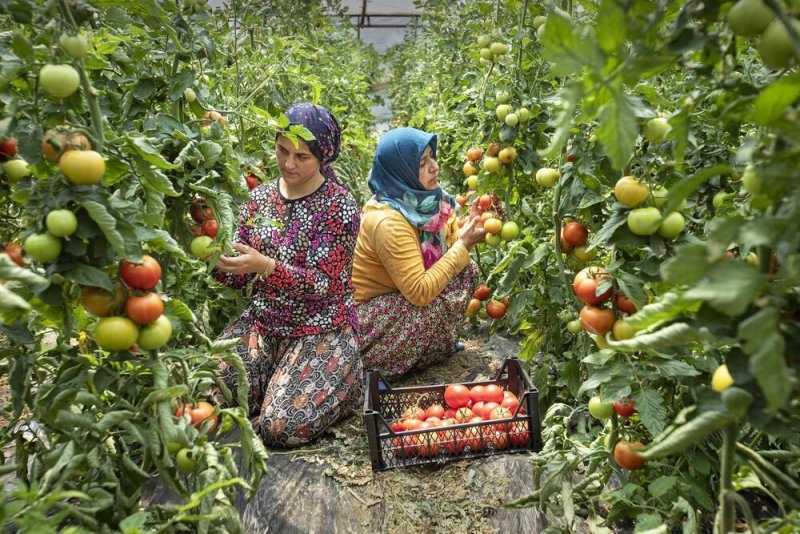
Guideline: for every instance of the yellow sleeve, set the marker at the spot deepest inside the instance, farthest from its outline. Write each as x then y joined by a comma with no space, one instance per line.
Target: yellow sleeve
397,246
451,230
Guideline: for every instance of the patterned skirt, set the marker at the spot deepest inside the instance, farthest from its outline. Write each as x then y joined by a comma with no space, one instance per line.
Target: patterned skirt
298,386
397,337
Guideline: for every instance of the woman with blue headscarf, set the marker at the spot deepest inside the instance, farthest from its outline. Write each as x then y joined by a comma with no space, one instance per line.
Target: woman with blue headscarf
412,274
298,338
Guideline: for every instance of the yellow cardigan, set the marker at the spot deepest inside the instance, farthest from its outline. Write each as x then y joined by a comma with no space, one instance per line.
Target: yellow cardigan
388,258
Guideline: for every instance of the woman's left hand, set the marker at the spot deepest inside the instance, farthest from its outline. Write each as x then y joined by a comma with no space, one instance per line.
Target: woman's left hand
249,261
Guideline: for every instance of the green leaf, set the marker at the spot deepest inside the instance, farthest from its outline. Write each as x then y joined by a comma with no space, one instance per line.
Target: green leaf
687,266
566,50
155,180
669,307
680,436
681,190
650,407
222,345
662,485
563,120
108,224
610,226
149,153
617,130
674,335
179,309
161,239
86,275
211,153
766,346
11,301
11,271
771,104
611,31
730,287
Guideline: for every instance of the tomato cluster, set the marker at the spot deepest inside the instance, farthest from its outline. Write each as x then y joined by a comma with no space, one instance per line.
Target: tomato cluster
205,229
144,324
594,286
462,423
496,309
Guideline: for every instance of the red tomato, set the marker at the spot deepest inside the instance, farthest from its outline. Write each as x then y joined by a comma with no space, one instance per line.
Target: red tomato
575,234
143,276
597,321
487,409
404,446
14,251
252,181
477,393
412,423
210,228
519,434
464,414
485,202
510,402
477,408
8,148
497,440
624,304
495,309
474,154
586,290
453,440
456,395
199,414
472,439
626,457
144,309
428,444
481,292
500,413
624,408
199,211
414,412
449,413
593,271
397,425
493,393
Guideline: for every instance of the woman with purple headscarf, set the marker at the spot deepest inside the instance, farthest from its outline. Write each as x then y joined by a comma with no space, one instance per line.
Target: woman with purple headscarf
298,337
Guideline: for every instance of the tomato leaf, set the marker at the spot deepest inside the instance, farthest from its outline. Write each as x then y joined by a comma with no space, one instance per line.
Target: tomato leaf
617,130
176,308
673,335
609,227
668,308
612,32
650,407
562,123
567,51
108,224
730,287
680,436
771,104
11,301
765,345
87,275
687,266
662,485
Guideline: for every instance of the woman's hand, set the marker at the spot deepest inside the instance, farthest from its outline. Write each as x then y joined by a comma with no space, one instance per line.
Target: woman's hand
249,261
470,234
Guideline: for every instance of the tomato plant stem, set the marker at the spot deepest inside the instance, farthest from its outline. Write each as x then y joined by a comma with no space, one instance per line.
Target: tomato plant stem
727,510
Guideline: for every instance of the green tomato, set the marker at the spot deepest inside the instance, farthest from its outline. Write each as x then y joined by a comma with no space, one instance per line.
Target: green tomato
737,401
599,409
498,49
719,199
486,54
622,330
512,119
472,183
115,333
509,231
201,247
59,81
493,240
749,17
189,95
644,221
672,225
574,326
502,111
43,248
186,461
751,181
584,254
656,130
75,46
483,314
502,97
565,316
524,115
61,223
547,177
16,169
775,46
492,165
484,41
156,334
539,21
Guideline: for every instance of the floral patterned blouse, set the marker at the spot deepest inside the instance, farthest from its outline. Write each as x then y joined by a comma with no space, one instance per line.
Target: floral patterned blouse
310,291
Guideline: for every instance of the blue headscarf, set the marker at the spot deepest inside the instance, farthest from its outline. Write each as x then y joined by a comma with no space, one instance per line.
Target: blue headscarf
395,182
323,125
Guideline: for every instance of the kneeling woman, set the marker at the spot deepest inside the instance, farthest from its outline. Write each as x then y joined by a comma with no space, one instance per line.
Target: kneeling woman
298,339
412,273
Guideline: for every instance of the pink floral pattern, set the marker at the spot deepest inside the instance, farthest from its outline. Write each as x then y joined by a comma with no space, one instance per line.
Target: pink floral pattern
397,337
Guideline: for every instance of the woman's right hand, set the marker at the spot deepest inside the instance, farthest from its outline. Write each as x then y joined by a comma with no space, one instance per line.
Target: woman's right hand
471,234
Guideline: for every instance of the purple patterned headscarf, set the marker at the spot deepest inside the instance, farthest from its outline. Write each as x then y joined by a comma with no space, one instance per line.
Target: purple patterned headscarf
322,124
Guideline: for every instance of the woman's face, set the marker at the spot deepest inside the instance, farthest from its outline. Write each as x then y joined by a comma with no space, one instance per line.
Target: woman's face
297,164
428,170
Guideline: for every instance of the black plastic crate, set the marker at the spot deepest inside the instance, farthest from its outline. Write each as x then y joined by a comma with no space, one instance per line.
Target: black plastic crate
389,449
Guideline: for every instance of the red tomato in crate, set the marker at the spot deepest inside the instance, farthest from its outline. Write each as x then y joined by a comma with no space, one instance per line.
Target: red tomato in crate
487,409
493,393
414,412
497,441
434,410
464,414
449,413
477,393
519,434
456,396
500,413
510,402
